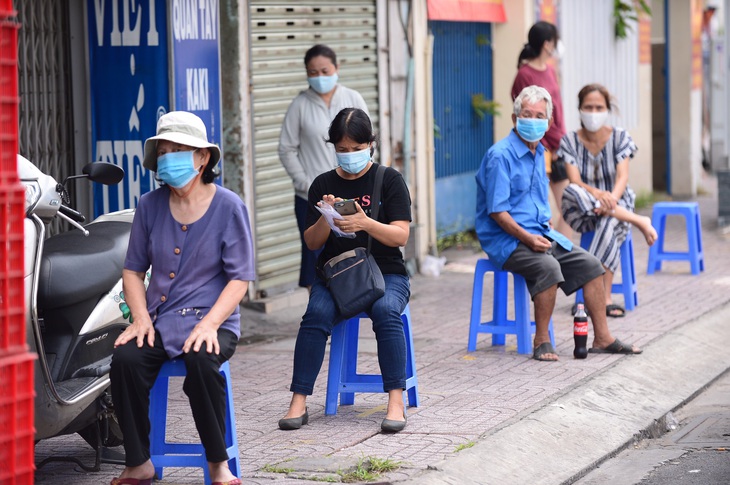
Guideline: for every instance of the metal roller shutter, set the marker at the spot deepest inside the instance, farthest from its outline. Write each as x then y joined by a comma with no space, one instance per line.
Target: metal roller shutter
281,32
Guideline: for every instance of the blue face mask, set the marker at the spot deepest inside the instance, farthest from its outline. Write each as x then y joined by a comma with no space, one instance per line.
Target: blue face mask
177,169
323,84
531,129
354,162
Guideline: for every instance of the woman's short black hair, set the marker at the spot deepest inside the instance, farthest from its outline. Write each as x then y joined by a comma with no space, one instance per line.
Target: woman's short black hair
352,123
539,33
320,50
210,173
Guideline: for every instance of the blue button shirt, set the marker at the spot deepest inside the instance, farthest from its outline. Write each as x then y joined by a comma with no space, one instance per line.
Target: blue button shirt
511,179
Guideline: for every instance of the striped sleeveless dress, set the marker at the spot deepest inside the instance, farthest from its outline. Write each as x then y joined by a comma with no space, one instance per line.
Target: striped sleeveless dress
598,171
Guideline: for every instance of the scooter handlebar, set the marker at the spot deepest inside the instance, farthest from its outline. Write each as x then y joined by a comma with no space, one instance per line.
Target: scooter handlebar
71,213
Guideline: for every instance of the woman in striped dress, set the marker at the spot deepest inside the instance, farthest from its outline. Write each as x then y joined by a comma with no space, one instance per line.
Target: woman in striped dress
598,197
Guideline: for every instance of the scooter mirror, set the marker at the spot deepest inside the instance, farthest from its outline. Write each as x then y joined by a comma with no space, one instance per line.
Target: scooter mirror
104,172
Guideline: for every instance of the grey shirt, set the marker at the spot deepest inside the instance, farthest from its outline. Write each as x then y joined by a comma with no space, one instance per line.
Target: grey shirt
302,147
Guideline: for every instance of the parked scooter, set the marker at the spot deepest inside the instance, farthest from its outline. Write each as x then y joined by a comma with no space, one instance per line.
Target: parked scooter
75,308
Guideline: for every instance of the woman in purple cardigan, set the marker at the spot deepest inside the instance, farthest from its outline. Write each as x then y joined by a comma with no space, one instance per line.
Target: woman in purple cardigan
195,236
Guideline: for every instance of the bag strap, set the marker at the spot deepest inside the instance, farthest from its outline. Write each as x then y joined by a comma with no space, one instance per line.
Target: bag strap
375,200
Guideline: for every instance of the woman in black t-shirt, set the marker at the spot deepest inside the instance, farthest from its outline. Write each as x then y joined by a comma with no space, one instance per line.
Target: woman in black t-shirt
352,135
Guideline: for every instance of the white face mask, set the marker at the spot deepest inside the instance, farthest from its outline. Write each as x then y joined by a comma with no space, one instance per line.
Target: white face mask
593,121
559,50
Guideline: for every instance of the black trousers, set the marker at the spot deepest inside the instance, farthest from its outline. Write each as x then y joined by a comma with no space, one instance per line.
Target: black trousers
133,373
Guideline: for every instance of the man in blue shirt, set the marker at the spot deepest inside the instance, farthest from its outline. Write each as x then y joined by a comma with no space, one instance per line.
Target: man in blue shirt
513,225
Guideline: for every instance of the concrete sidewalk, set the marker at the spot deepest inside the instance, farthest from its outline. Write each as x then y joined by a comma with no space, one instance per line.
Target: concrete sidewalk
491,416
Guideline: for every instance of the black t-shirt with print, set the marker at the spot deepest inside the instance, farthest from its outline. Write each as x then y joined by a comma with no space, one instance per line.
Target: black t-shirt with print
395,205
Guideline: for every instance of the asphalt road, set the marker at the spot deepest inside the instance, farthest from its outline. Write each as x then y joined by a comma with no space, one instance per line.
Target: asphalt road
697,467
695,452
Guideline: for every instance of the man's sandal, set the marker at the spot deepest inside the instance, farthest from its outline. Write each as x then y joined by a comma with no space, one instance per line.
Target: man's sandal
617,347
541,350
615,311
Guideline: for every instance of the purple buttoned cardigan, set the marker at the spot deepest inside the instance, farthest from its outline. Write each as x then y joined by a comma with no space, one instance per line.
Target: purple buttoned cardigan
190,263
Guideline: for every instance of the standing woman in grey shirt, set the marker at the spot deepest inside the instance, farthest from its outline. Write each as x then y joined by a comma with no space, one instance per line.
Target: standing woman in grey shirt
302,147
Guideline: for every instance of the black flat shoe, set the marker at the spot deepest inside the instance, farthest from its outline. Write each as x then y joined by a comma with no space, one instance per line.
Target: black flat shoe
393,426
294,423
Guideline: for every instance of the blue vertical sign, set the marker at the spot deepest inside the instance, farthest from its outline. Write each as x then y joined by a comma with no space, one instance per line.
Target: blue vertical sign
128,68
196,62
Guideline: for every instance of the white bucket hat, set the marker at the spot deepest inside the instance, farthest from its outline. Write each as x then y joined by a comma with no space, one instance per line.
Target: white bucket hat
179,127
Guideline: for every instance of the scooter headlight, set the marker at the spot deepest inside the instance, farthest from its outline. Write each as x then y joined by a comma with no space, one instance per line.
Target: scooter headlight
32,195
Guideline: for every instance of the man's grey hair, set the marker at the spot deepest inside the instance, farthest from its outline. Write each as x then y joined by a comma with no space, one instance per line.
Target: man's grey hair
533,94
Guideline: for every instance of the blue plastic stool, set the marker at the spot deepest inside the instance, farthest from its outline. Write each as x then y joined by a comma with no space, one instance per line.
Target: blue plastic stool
500,324
164,454
695,255
343,379
628,286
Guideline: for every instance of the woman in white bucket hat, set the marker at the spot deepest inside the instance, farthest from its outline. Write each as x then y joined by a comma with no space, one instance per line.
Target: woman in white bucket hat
184,130
196,238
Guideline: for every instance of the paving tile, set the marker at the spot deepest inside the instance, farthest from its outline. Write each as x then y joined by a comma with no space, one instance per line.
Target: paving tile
464,396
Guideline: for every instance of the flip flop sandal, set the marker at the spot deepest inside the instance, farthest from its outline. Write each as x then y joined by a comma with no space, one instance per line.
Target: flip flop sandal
617,347
541,350
615,311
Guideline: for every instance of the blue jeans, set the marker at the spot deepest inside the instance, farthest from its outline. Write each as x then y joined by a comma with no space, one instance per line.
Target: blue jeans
321,316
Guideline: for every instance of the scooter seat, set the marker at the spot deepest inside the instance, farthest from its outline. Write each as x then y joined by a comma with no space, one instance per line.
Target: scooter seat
75,267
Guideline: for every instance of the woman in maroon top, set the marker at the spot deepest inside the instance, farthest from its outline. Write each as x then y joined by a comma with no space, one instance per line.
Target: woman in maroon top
533,69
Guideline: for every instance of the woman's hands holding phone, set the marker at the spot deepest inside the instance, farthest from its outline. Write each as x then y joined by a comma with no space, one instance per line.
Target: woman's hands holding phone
351,221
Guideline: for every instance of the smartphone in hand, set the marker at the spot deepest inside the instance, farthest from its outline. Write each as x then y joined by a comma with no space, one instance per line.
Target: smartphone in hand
346,207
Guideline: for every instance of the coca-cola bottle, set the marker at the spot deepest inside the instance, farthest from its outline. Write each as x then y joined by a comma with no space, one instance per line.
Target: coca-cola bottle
580,332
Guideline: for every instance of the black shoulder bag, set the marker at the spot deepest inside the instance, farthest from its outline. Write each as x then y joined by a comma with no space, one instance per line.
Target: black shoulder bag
353,277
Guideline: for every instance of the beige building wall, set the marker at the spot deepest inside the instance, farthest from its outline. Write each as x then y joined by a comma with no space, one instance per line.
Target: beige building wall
507,41
641,167
423,200
684,103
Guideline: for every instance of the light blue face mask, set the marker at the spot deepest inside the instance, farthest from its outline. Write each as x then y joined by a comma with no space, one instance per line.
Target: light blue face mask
323,84
531,129
354,162
177,169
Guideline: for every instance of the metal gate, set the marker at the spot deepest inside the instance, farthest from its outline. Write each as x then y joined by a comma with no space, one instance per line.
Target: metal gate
45,128
462,88
280,33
